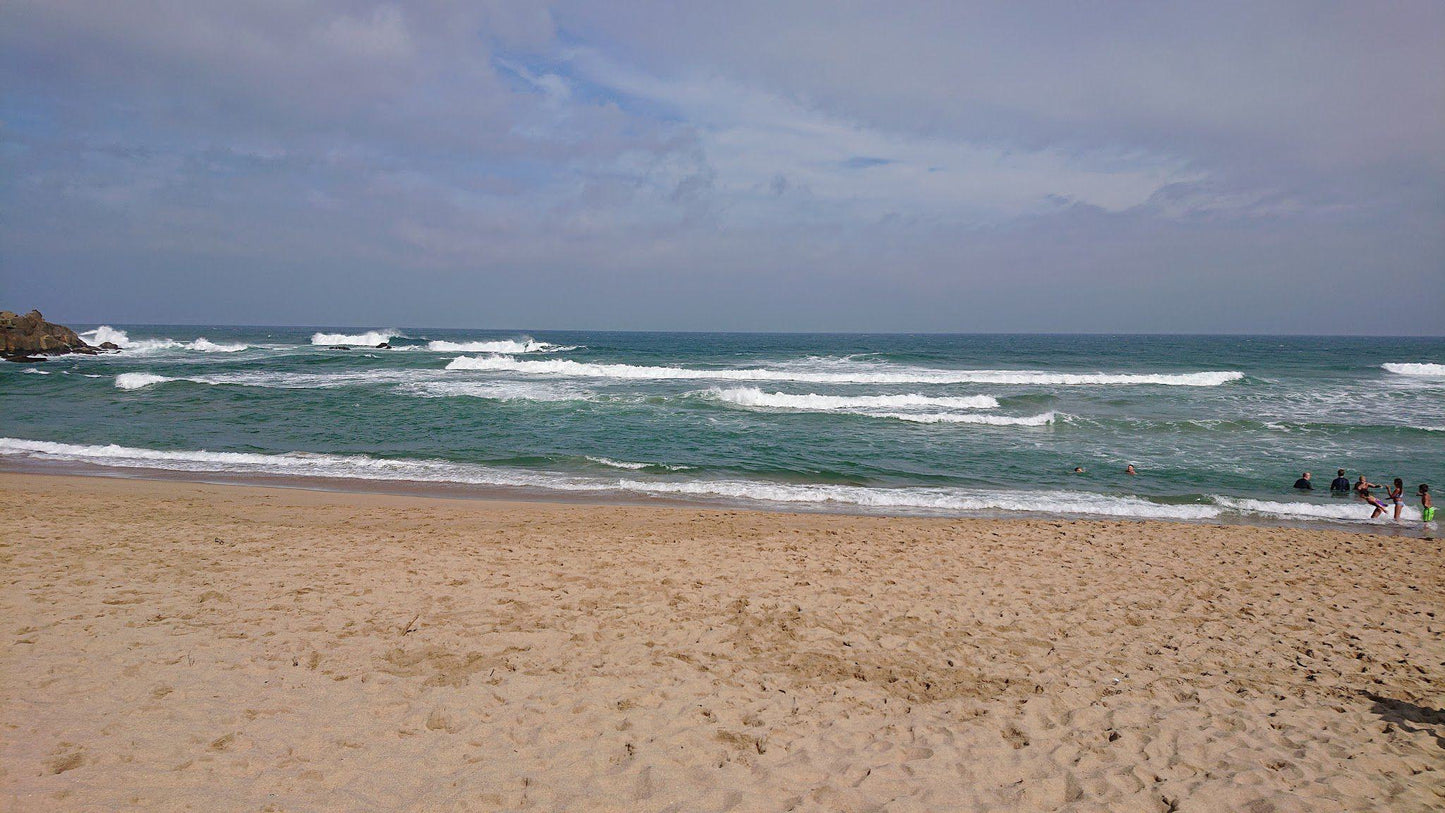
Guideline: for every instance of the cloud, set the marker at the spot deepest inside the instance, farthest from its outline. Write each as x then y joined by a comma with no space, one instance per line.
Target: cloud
653,154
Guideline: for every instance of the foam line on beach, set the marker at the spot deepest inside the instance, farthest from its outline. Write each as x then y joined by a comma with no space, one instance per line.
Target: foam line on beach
363,467
936,500
866,374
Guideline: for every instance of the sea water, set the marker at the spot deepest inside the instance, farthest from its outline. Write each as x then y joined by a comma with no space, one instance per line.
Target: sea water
1218,428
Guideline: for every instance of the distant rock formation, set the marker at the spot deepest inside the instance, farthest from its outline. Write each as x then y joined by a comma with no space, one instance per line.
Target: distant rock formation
24,337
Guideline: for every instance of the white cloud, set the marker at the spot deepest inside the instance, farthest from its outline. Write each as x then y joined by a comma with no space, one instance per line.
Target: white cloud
751,137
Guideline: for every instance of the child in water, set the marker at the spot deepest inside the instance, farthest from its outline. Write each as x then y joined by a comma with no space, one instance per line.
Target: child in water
1427,510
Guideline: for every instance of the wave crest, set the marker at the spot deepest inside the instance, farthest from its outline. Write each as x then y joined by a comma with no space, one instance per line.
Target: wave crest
754,397
897,375
496,390
119,338
1430,370
955,417
526,344
370,338
135,381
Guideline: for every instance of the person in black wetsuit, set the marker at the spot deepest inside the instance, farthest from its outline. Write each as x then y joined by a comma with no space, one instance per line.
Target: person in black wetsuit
1303,483
1340,486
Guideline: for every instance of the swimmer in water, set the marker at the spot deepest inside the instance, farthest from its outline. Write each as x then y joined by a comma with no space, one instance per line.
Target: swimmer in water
1362,490
1129,469
1078,470
1340,485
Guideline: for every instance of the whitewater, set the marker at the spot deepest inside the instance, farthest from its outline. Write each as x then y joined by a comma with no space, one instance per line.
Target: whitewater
864,375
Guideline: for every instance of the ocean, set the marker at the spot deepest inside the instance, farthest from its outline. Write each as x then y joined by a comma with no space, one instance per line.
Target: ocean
1218,427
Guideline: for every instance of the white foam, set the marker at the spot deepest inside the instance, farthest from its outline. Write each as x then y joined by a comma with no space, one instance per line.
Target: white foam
106,333
370,338
278,380
205,346
754,397
526,344
955,417
1430,370
1352,511
362,467
134,381
34,371
497,390
119,338
623,464
868,374
618,464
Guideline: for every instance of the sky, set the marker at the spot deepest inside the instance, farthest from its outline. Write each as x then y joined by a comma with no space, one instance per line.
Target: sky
1211,167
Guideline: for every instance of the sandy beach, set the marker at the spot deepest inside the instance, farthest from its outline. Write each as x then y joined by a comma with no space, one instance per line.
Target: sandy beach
177,646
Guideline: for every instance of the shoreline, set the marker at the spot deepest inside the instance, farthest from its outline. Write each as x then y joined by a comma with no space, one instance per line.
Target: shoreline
529,495
179,645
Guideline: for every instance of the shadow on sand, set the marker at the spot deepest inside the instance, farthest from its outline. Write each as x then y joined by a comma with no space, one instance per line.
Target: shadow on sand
1410,717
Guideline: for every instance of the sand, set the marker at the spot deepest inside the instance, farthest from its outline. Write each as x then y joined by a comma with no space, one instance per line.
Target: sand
175,646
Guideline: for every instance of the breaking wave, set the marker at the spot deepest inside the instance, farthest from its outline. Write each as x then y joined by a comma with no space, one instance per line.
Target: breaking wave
623,464
371,338
524,345
134,381
496,390
119,338
868,374
1352,511
1430,370
754,397
275,380
955,417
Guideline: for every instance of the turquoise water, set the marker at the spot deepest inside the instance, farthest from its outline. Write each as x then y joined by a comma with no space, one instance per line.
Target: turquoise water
1218,427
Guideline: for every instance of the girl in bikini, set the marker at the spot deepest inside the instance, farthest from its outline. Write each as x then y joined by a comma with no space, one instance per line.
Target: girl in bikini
1396,493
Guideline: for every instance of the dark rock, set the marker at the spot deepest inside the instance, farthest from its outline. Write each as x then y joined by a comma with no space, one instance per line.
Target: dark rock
340,347
110,347
384,346
20,359
31,334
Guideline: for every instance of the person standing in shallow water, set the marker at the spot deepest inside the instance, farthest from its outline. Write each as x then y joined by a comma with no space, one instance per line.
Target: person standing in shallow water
1396,493
1303,483
1427,508
1341,484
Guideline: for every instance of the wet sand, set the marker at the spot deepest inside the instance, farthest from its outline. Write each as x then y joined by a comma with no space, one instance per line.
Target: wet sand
176,646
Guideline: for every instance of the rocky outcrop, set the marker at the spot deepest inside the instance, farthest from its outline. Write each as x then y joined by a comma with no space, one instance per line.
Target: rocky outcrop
30,335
